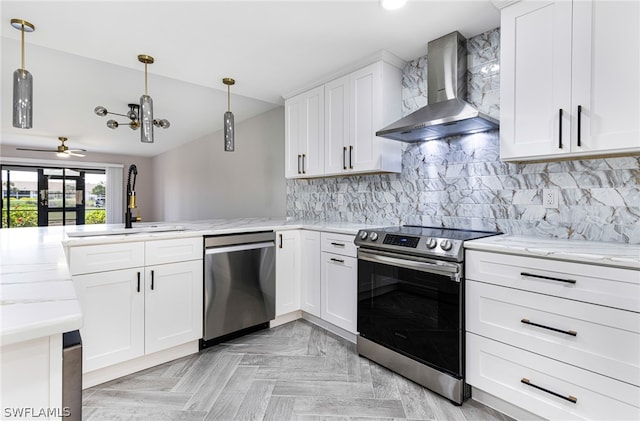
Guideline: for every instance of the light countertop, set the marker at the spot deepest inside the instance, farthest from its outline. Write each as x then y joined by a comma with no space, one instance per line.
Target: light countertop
606,254
37,296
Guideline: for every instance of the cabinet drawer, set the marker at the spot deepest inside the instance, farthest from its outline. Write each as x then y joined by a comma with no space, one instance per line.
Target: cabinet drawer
339,244
499,369
174,250
608,286
105,257
606,340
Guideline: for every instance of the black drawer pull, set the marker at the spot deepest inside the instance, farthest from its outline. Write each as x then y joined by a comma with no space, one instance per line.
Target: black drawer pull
569,398
338,244
531,275
566,332
280,246
337,260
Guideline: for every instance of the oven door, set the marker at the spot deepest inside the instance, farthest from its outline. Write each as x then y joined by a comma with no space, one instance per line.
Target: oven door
413,306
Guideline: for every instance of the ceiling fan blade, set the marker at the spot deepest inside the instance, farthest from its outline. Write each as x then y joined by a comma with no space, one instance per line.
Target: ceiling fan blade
77,150
73,153
36,150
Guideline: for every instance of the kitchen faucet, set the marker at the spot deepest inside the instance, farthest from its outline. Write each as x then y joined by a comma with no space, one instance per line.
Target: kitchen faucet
131,197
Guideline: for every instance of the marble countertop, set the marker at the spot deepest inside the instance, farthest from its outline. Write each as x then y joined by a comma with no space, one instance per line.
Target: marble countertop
37,296
607,254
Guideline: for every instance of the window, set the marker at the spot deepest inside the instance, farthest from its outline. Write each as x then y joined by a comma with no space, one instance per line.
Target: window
46,196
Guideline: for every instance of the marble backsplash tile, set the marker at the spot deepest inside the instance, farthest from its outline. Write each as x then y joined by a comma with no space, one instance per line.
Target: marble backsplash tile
461,182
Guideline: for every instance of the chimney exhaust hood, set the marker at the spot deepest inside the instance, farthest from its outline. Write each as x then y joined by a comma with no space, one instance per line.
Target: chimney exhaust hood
447,113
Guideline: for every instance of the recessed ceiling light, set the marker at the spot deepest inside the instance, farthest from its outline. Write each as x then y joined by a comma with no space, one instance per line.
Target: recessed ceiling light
392,4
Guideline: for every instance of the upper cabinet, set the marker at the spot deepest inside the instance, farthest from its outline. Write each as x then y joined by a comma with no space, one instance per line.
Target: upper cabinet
569,79
355,107
304,134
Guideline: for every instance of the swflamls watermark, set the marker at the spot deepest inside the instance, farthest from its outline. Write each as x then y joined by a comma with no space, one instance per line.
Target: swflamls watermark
29,412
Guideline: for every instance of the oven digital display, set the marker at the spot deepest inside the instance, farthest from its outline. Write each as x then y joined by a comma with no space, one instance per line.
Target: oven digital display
401,240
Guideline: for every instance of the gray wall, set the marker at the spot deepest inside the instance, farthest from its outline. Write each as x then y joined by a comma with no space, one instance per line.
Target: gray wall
461,182
199,180
144,181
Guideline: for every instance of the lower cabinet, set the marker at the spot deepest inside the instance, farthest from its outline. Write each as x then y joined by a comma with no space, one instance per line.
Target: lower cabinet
310,272
339,290
140,310
287,271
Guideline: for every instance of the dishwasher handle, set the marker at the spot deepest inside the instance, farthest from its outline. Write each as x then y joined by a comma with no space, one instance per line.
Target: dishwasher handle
239,247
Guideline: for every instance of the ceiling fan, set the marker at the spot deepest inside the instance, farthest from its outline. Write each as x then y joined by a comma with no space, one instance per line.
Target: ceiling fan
63,150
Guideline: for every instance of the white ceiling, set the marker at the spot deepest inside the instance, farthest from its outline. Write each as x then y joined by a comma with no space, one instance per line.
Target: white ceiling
84,53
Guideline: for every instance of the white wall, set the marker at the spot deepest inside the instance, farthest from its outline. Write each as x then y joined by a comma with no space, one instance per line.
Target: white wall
199,180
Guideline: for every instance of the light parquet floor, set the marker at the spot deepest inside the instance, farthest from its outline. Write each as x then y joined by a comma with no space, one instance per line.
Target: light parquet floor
296,371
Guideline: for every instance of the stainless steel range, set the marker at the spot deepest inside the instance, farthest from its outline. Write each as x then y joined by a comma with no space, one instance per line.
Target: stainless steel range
411,303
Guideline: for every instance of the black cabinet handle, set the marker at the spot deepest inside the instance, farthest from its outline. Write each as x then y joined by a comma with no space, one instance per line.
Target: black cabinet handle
350,153
303,158
560,130
299,156
338,244
344,158
531,275
579,125
280,235
569,398
337,260
152,280
566,332
138,281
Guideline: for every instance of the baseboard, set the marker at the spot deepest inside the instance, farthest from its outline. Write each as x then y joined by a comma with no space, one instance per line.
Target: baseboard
502,406
115,371
351,337
285,318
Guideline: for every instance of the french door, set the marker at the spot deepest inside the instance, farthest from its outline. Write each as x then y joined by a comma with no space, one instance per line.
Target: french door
60,197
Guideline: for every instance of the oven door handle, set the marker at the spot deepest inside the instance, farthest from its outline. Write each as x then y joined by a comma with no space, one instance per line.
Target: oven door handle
441,268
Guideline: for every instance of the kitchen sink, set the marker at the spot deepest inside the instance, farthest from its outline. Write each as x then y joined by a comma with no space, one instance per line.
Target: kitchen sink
127,231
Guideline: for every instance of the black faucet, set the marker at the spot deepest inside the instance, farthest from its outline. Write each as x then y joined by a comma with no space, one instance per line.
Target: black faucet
131,196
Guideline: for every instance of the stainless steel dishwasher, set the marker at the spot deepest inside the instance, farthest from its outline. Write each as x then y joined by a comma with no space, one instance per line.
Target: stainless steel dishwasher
239,284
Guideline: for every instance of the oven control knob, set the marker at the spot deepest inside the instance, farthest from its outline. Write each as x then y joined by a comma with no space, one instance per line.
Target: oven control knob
363,235
373,236
446,245
431,243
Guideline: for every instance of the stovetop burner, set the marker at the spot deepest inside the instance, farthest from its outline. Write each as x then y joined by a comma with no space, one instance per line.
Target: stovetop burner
434,242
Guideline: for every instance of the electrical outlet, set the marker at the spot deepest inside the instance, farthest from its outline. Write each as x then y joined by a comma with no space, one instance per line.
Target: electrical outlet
550,198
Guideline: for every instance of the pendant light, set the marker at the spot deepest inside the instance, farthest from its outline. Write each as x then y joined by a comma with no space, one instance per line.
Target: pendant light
229,141
146,105
22,85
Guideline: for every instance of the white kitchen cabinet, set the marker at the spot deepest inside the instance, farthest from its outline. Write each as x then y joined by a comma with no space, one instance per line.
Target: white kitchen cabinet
339,281
287,271
569,79
356,106
113,311
141,309
310,272
173,306
558,339
304,134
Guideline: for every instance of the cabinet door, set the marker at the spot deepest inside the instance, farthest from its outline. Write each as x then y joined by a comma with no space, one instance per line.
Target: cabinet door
336,97
535,85
365,118
287,272
113,312
173,308
606,46
292,109
310,272
312,132
339,290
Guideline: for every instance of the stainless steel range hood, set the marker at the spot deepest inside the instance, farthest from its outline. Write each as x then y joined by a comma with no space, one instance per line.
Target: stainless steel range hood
447,113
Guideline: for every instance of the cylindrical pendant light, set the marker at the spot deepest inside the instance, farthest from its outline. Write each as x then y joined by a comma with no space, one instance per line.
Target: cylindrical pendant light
146,105
22,85
229,138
